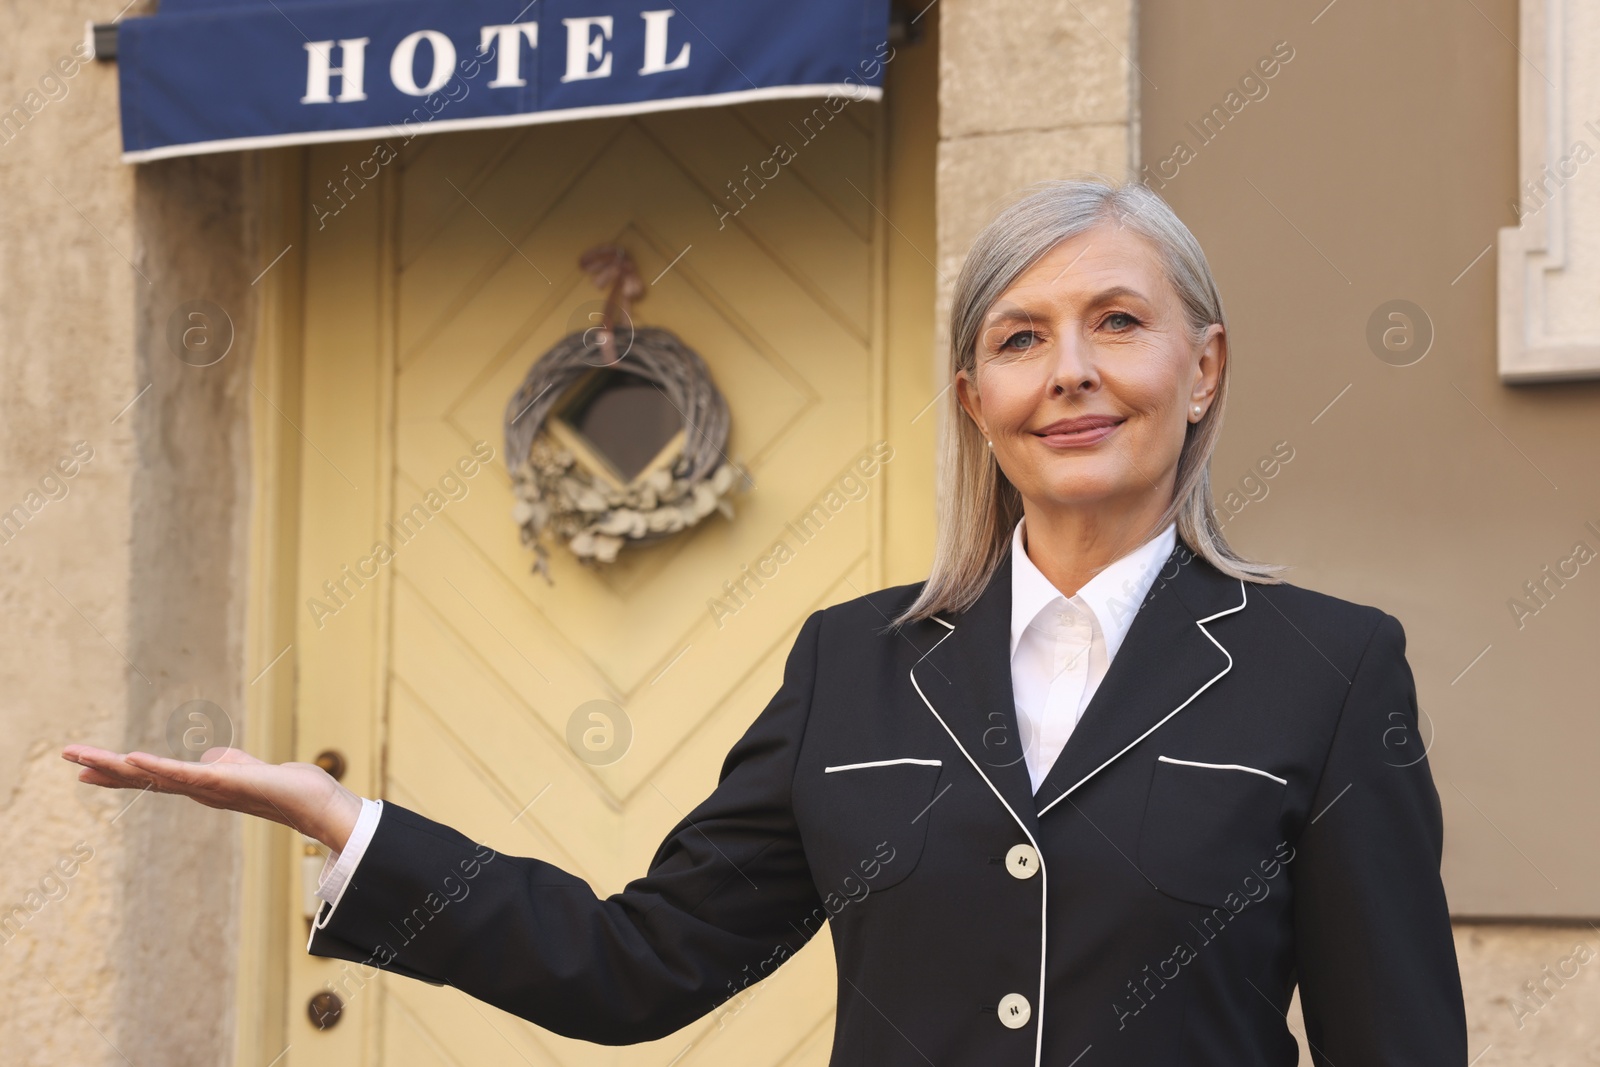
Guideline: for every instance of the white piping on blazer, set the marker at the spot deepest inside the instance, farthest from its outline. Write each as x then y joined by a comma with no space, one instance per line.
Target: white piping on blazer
1223,767
1044,874
881,763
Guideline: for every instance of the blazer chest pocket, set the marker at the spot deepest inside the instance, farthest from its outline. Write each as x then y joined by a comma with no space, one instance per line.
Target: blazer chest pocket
876,822
1210,830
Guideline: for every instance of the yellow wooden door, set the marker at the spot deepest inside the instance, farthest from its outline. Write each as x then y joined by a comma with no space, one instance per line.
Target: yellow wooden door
448,673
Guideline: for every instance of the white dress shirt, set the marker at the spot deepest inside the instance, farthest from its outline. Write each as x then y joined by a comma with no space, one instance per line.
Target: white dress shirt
339,866
1060,650
1061,647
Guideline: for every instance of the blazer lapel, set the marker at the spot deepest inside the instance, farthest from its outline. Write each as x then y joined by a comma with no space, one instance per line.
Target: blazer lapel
965,680
1167,659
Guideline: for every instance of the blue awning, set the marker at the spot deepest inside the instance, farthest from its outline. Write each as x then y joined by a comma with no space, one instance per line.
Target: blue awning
218,75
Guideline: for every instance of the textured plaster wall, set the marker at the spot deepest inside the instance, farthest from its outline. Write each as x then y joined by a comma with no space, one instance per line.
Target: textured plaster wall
1028,89
186,593
121,585
1533,993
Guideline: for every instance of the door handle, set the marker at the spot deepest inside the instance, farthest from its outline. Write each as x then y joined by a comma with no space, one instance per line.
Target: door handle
332,761
324,1008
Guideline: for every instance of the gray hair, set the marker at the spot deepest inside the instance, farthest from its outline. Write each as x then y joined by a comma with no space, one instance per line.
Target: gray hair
978,506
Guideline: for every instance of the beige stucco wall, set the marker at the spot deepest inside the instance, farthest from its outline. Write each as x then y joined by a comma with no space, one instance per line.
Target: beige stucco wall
122,595
1027,90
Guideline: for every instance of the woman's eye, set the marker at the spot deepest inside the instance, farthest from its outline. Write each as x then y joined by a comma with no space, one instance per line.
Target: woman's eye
1112,320
1027,337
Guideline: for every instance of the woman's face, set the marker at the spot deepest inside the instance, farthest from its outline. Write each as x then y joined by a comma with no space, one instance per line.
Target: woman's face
1087,376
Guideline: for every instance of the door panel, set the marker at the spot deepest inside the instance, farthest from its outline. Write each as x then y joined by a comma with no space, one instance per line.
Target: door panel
450,677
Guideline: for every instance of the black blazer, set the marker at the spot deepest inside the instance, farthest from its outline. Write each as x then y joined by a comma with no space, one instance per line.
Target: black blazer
1244,805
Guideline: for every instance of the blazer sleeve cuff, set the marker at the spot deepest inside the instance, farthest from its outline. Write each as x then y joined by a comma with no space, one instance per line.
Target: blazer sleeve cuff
397,879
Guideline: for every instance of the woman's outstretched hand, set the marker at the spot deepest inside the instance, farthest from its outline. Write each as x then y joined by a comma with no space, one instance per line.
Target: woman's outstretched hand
298,795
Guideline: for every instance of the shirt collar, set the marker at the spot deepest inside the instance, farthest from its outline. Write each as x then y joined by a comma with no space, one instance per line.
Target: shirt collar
1113,595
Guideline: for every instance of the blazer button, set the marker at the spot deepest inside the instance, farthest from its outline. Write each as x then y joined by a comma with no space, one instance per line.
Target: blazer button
1015,1011
1023,862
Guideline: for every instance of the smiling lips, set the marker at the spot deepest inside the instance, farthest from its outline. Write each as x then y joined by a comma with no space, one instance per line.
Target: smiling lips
1079,432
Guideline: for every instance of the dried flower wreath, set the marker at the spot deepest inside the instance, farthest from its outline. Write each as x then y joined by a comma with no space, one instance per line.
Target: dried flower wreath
561,496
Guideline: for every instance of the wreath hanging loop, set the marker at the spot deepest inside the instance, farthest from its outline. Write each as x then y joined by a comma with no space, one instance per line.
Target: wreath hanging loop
612,270
561,489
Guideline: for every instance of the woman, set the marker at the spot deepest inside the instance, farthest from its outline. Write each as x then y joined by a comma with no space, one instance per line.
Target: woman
1099,791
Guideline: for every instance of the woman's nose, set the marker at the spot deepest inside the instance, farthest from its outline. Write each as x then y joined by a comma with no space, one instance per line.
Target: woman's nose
1073,370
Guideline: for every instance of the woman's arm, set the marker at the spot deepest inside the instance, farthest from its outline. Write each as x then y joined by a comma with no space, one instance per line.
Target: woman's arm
1376,961
727,897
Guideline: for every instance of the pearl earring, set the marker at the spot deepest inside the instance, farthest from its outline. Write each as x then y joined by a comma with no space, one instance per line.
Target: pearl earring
1197,410
991,444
